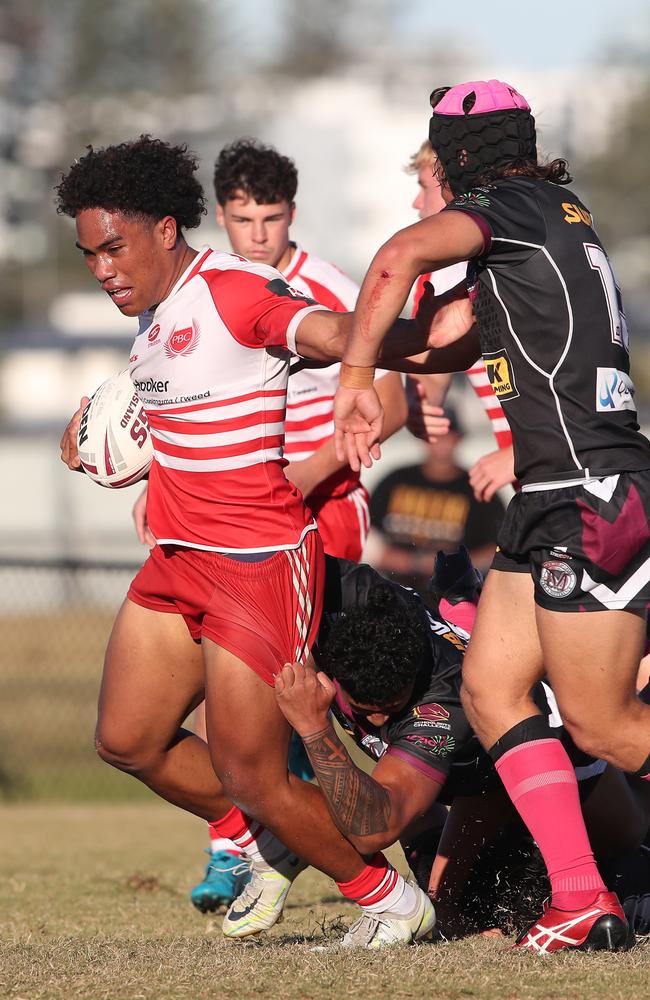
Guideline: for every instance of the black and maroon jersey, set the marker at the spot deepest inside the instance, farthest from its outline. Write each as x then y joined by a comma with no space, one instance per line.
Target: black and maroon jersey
432,733
553,333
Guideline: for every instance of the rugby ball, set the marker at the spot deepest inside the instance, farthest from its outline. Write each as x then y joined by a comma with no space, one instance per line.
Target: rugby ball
113,440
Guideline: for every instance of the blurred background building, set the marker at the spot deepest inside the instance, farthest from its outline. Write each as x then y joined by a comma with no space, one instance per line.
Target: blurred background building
341,86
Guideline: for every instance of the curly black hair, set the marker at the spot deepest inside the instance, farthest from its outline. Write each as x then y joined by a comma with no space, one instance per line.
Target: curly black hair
145,178
375,651
259,171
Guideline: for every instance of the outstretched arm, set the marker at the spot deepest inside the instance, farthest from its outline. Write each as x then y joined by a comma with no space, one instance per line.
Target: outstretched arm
371,812
310,472
433,243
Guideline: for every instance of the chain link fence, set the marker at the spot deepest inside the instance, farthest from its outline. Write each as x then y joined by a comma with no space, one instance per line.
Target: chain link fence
55,619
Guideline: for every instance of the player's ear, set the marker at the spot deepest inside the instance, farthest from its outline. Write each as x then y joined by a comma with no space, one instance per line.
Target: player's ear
168,232
220,216
292,212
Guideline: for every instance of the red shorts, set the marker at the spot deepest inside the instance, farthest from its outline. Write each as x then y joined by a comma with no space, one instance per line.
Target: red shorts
343,523
266,613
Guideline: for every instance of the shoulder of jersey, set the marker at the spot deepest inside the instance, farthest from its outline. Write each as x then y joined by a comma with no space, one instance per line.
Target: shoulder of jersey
220,260
326,274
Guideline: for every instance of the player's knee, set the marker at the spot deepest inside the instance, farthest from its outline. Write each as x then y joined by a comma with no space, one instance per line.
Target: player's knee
584,737
123,752
477,703
468,700
587,737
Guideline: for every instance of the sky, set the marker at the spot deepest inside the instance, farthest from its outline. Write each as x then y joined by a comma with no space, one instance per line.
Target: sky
523,32
537,34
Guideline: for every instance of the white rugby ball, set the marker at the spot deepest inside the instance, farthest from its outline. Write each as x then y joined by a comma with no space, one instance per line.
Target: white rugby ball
113,441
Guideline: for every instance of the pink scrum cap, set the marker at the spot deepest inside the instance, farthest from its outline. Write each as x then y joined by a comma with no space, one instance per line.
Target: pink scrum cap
478,126
490,95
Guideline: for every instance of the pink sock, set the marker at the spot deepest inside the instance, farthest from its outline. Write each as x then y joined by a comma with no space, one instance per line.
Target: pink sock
462,615
541,782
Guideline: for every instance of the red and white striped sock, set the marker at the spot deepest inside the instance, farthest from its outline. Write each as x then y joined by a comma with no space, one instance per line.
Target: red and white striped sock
254,840
223,844
379,888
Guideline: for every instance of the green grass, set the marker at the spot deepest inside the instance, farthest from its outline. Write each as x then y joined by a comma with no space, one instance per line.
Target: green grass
94,904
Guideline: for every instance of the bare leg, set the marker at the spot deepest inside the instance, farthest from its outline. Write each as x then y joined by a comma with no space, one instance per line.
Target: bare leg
592,660
504,659
153,677
249,738
198,722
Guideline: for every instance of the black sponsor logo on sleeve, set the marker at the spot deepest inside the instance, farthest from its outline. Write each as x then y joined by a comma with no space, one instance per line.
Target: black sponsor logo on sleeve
280,287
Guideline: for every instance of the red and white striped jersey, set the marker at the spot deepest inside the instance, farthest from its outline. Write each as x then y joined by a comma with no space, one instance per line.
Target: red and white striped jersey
310,399
442,280
211,364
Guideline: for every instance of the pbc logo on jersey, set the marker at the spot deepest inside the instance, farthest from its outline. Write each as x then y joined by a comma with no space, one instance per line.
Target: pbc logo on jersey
182,341
280,287
152,336
500,374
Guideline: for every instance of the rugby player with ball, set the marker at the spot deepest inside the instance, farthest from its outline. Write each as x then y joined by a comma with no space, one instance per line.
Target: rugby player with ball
233,589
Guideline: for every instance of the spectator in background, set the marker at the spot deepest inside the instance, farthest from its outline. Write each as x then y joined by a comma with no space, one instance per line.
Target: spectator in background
418,510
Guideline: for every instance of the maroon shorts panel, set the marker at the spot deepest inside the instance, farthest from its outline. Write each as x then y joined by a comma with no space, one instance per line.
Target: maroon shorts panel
587,547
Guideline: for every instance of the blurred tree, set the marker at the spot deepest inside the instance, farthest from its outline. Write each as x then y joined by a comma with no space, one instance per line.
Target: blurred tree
618,180
161,46
314,36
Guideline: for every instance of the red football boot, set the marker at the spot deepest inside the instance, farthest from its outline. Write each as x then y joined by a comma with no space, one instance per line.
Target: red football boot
599,927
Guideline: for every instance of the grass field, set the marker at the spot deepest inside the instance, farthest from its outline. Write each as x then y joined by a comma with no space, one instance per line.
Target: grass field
94,904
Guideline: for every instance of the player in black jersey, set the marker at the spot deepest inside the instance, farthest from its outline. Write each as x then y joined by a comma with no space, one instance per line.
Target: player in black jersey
576,538
391,674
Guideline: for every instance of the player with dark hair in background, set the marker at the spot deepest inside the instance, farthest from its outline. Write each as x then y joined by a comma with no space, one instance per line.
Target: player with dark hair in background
255,188
233,588
572,577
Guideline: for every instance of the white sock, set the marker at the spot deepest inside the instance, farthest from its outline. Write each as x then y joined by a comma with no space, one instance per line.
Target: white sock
263,848
223,844
402,899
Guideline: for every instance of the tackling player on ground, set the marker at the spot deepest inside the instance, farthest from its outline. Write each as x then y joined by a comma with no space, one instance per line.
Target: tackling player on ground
576,538
389,668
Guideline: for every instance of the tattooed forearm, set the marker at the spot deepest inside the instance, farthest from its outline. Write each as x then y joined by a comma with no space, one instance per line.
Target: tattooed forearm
359,805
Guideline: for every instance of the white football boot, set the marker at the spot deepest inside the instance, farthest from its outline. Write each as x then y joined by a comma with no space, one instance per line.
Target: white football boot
260,904
380,930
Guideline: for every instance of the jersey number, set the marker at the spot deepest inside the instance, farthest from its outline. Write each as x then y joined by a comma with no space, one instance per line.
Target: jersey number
599,261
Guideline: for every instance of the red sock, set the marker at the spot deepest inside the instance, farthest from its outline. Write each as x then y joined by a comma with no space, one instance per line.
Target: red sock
375,886
258,844
236,826
541,782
